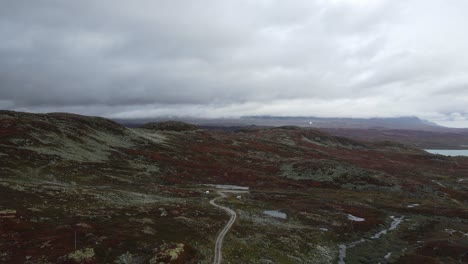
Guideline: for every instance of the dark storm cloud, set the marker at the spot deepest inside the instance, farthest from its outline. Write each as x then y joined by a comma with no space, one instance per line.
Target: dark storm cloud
230,58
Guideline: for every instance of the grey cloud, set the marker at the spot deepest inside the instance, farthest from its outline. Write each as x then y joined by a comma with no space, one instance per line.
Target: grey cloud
230,58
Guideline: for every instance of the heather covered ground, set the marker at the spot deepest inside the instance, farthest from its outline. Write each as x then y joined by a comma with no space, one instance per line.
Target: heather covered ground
138,195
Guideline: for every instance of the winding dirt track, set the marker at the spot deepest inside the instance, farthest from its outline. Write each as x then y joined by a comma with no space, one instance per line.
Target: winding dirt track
218,254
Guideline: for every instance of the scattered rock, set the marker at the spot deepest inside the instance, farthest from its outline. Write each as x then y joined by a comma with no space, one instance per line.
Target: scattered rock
266,261
83,225
3,256
163,211
142,220
39,260
128,258
168,253
8,213
81,256
148,230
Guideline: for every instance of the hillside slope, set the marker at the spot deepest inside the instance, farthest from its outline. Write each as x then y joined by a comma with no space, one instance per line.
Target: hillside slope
448,139
138,195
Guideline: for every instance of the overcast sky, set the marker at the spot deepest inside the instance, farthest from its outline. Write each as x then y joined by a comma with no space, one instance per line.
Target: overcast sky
228,58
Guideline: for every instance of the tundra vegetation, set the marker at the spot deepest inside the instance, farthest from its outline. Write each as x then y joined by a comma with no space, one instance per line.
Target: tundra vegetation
76,189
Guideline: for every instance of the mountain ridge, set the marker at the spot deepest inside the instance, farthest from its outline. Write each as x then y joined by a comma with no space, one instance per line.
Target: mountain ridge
407,123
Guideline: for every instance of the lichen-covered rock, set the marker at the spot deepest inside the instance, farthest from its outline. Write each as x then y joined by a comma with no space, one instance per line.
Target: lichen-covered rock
39,260
148,230
8,213
168,253
81,256
128,258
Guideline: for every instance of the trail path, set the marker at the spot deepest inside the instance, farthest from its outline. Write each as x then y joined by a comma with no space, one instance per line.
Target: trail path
218,254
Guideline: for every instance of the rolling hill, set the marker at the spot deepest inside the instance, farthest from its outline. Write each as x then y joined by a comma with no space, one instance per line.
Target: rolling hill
78,189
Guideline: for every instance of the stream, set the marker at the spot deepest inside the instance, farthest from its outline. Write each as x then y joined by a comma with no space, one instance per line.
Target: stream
344,247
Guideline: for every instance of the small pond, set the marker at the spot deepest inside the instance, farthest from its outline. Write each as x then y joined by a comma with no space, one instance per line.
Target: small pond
230,187
276,213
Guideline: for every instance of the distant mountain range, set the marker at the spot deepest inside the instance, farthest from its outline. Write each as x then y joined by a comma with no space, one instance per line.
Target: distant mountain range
394,123
406,130
410,123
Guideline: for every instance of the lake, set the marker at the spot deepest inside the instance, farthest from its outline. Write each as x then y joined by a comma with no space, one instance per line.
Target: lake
449,152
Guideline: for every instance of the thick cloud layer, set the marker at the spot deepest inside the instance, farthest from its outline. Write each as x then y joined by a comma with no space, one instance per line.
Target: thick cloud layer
212,58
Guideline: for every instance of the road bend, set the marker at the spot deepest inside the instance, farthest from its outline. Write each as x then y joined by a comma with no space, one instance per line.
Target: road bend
218,254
